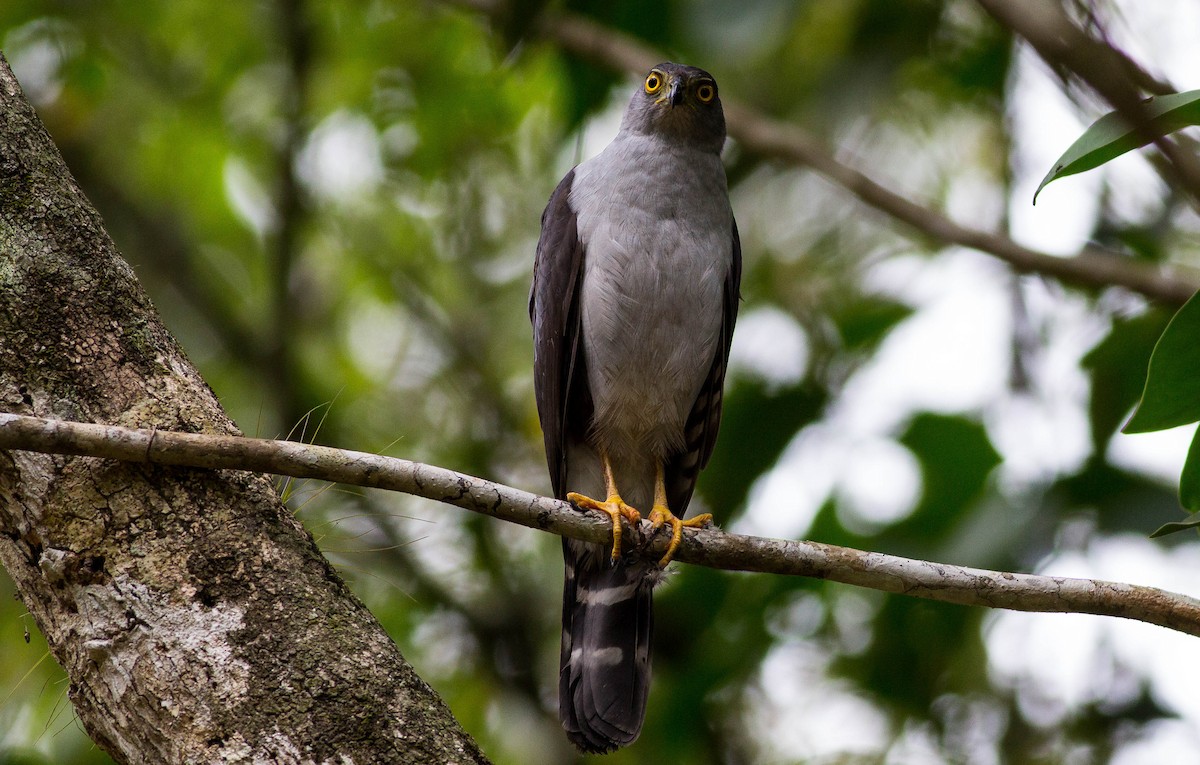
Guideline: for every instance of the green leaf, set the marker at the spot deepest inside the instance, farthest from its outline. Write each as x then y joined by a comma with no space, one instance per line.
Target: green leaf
1174,526
865,320
1111,365
1189,480
1189,491
1172,394
956,457
1122,500
1112,135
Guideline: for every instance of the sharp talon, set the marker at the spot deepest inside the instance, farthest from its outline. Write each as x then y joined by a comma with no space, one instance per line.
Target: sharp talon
615,508
660,516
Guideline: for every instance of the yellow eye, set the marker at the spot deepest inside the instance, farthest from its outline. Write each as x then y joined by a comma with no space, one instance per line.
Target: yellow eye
654,82
706,93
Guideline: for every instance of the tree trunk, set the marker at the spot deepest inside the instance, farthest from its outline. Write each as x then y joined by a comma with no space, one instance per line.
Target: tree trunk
194,615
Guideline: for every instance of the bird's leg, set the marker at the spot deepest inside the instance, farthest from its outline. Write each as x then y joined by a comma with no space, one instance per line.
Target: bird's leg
661,514
613,506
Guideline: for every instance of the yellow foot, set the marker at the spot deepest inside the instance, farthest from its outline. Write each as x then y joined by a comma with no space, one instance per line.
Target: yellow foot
660,515
615,508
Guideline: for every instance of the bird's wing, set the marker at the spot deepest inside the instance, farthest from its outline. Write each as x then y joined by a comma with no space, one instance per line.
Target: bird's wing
705,418
558,379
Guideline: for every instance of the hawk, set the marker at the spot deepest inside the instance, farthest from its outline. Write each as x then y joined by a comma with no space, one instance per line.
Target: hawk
634,297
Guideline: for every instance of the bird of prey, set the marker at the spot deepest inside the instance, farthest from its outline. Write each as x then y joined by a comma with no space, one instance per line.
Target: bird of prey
634,298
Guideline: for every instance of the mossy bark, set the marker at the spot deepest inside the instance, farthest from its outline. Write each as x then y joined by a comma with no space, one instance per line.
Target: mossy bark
195,617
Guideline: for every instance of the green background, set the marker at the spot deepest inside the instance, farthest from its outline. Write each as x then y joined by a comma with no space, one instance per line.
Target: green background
335,206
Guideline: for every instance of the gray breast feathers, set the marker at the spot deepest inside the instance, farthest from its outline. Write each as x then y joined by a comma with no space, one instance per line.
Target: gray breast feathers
656,229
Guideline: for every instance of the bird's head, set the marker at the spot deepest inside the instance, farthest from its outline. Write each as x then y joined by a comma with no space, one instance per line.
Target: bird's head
679,102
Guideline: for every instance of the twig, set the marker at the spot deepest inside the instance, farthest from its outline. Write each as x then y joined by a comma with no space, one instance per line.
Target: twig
706,547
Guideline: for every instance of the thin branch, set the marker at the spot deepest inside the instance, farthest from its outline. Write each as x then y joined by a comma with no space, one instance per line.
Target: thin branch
1094,267
706,547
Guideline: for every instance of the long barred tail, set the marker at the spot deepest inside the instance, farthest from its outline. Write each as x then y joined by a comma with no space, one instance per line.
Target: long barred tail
604,673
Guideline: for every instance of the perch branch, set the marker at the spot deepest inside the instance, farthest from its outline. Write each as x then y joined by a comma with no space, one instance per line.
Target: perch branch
706,547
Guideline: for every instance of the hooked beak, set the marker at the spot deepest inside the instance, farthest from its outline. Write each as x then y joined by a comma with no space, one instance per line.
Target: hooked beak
676,92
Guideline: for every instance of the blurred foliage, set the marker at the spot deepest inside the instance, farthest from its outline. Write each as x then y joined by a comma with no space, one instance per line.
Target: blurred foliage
335,206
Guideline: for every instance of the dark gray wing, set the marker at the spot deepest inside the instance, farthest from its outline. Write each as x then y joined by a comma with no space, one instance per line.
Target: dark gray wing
705,418
559,383
606,606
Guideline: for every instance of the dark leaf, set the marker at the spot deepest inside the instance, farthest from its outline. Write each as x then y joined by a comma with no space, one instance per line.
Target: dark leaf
1172,393
1110,365
863,323
1124,501
1189,481
1174,526
956,458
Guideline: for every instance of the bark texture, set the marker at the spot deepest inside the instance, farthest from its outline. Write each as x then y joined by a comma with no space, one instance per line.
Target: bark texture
195,617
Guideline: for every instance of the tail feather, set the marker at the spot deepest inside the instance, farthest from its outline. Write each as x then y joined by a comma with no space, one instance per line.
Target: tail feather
604,673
